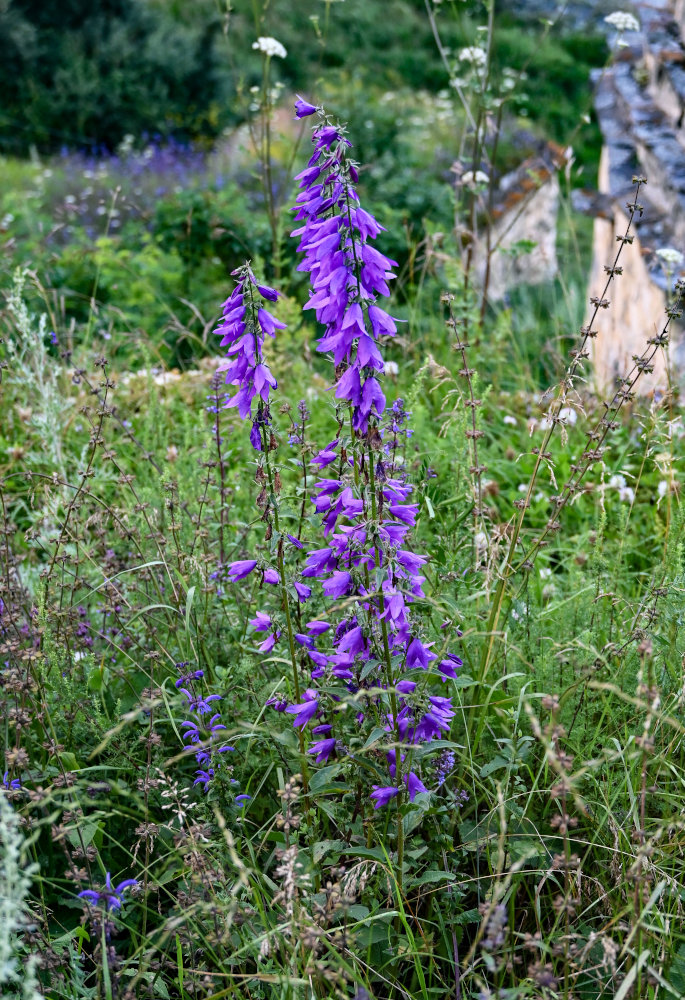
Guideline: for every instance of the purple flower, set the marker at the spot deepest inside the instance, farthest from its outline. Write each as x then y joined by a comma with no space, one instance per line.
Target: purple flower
337,585
327,455
306,710
450,665
303,108
271,576
269,643
242,330
414,785
418,655
261,623
111,897
382,795
303,591
14,784
322,749
240,569
317,627
266,292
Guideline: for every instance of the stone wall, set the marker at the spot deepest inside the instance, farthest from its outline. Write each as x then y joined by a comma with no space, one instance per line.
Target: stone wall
525,211
640,102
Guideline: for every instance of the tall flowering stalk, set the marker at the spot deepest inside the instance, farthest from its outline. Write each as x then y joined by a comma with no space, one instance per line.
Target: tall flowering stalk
204,728
246,322
367,518
366,644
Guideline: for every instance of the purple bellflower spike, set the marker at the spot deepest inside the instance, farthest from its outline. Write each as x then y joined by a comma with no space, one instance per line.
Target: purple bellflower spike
244,325
346,273
367,520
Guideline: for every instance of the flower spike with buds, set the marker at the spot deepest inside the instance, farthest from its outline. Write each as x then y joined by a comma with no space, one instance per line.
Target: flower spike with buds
246,321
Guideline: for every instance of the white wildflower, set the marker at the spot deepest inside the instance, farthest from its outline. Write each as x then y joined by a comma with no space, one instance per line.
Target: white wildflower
470,179
670,256
568,415
622,21
391,368
626,494
662,488
473,54
545,573
270,46
508,419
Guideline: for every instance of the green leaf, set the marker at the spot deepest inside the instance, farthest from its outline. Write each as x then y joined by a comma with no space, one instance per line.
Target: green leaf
321,778
68,761
324,847
431,877
376,734
493,765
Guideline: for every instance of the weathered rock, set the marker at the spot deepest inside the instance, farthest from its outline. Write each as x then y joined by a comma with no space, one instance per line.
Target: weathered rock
640,103
519,246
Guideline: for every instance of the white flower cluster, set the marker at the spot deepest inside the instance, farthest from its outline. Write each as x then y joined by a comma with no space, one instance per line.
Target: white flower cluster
473,54
622,21
670,256
270,46
469,178
626,494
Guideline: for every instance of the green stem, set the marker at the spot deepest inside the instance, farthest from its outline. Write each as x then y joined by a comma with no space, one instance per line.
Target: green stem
389,681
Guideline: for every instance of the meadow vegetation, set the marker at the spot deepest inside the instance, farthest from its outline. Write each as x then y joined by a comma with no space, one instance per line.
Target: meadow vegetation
360,676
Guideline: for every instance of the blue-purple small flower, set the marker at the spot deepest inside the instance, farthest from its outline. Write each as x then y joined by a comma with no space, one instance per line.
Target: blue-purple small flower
110,897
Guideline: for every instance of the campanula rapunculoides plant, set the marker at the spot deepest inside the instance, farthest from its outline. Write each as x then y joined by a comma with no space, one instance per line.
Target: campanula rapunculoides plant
366,648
